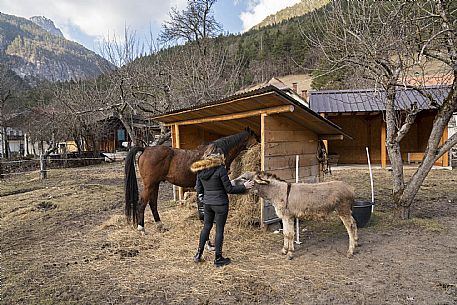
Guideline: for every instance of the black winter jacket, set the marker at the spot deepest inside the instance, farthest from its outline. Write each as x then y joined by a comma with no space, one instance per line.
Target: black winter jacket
213,182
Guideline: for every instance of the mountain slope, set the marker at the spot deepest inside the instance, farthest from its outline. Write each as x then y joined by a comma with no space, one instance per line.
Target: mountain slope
299,9
33,53
47,24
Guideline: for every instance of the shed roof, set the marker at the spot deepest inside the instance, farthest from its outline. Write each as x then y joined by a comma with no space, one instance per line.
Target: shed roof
253,102
368,100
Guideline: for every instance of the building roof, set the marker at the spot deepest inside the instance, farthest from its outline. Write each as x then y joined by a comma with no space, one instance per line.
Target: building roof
268,96
368,100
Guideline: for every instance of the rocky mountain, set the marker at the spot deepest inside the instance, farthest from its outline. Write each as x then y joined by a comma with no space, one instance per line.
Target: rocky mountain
35,53
48,25
299,9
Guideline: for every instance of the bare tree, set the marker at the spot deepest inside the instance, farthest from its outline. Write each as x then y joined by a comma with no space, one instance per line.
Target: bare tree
194,24
11,90
388,42
168,78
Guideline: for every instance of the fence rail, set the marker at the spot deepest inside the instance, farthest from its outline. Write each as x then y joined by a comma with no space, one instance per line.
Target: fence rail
42,165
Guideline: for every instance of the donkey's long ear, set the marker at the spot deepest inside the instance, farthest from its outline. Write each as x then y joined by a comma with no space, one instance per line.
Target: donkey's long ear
260,181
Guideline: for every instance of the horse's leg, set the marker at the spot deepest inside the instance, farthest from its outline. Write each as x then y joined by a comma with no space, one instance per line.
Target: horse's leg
349,224
140,212
290,237
154,194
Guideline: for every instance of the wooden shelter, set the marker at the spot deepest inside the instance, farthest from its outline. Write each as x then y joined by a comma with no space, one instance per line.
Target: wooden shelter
111,133
360,113
287,128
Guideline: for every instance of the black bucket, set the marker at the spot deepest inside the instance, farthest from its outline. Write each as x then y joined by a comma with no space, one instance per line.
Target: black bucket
361,211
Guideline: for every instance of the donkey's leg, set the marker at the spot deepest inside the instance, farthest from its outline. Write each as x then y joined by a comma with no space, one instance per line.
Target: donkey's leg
154,193
290,237
348,224
354,229
285,230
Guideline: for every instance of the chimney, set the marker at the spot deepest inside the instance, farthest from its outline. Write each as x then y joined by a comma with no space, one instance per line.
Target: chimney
294,86
304,95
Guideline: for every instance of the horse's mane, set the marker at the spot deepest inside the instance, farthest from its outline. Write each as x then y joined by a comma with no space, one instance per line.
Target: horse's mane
226,143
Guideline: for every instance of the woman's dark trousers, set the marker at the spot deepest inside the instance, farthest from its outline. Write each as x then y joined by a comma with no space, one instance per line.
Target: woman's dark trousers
213,213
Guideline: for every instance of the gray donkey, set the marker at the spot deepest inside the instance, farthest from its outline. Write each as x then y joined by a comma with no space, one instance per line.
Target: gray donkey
309,201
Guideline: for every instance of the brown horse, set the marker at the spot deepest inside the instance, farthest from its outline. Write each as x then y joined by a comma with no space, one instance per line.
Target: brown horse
163,163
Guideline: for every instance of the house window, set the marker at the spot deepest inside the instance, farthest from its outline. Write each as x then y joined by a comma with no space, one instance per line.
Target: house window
121,135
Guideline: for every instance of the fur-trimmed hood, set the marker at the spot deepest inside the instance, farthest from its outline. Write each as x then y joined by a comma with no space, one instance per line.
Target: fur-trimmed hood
210,162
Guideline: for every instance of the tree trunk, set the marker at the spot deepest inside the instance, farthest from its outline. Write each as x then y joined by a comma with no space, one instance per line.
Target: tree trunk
5,144
130,130
393,146
431,156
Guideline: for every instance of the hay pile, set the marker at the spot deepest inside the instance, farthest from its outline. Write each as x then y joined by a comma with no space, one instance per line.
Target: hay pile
245,208
190,200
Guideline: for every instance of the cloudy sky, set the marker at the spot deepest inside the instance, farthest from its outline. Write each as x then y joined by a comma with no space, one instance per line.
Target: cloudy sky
89,21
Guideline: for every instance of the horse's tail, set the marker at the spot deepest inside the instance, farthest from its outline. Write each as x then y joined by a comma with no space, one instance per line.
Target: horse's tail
131,186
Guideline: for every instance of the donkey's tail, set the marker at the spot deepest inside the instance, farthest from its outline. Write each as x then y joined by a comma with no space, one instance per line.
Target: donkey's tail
131,186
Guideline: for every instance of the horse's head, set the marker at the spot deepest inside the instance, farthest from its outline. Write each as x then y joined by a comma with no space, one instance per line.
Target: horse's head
234,144
252,138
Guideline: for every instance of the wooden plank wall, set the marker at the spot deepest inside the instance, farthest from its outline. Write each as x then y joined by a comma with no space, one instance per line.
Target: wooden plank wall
192,136
284,139
365,131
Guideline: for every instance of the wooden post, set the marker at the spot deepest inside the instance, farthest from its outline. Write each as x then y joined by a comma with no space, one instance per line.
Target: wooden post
262,164
43,172
178,145
444,158
173,144
383,145
324,141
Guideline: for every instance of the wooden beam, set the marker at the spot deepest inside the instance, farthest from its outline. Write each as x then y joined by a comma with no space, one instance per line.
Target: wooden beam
226,117
383,145
331,137
214,105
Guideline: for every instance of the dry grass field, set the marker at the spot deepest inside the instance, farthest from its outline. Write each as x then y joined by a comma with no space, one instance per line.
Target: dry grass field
65,241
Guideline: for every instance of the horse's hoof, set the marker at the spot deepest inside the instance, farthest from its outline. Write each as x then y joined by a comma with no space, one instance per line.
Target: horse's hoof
141,230
350,254
290,256
161,228
283,251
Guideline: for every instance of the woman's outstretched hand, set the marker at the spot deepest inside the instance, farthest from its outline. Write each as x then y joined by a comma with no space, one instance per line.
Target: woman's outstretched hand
248,184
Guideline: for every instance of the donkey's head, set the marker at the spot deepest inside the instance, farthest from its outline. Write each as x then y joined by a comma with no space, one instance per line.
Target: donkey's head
270,187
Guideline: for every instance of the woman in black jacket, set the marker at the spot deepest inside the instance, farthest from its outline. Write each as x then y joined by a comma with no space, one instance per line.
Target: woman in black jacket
214,184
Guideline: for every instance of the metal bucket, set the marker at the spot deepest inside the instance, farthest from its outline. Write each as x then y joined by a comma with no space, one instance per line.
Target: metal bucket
361,211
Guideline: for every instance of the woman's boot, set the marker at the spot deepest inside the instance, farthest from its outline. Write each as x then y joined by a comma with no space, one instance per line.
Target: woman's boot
221,261
198,256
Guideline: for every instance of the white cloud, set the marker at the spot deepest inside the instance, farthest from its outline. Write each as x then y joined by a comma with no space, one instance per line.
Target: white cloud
257,10
95,18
